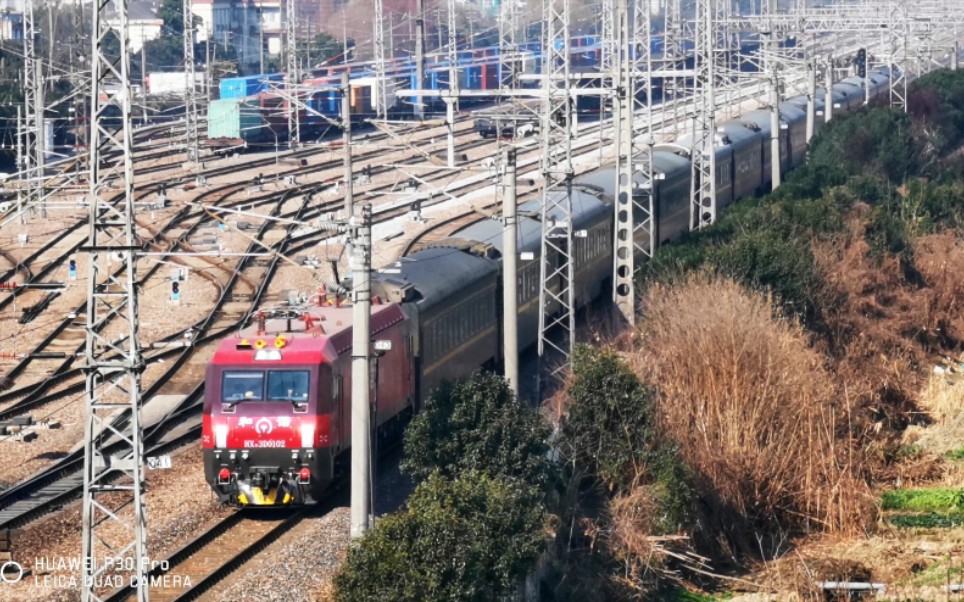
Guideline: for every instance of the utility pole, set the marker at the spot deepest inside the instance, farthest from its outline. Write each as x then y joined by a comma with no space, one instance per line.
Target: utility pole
291,73
453,95
772,68
420,58
261,36
775,167
114,525
510,272
207,65
828,87
556,292
361,472
346,140
190,98
703,156
21,165
811,98
144,82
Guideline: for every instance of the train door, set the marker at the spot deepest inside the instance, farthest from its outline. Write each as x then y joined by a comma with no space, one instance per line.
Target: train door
338,434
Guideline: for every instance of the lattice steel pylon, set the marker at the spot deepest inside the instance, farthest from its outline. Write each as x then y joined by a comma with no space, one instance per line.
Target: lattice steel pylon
508,49
703,155
897,55
635,228
33,147
673,36
190,98
453,54
557,319
114,521
381,94
610,42
292,78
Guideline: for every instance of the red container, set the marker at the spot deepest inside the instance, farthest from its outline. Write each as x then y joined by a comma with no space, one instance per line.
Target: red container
490,76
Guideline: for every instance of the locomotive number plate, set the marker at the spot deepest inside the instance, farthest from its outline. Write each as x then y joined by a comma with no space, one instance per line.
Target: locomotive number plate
265,443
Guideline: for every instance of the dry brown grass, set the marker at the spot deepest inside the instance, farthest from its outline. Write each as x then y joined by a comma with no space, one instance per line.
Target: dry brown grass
754,411
885,321
940,259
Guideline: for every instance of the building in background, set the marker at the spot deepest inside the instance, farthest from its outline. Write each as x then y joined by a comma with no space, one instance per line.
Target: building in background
252,27
11,19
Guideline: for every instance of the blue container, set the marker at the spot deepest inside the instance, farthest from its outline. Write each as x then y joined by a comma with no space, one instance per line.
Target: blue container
249,85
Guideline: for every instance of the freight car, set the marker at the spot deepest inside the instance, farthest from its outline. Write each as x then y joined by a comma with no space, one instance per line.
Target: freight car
276,419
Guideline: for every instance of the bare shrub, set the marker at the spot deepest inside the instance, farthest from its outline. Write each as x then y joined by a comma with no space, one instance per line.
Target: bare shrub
884,324
753,410
940,260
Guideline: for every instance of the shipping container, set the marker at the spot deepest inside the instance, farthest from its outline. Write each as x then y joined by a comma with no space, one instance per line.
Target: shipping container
490,76
241,87
470,77
236,118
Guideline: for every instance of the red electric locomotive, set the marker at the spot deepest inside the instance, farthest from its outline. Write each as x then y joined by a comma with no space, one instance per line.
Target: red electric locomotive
277,401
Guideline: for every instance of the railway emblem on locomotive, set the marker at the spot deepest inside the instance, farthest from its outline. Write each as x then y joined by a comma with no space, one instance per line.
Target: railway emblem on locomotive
263,426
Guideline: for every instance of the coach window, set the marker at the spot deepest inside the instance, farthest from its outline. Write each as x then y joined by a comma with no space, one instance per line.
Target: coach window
288,385
238,385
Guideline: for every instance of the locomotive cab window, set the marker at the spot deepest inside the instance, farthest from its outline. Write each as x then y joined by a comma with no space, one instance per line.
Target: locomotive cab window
288,385
242,386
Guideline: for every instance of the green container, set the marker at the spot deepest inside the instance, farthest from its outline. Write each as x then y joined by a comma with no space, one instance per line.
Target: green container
235,118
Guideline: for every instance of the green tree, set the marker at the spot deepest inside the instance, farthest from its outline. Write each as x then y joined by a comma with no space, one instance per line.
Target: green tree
320,49
609,434
469,539
478,424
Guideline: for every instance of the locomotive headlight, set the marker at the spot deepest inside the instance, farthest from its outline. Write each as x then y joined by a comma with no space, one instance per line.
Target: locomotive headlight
220,435
307,434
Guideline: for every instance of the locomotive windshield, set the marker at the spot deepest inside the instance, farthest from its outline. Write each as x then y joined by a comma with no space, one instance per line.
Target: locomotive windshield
240,386
288,385
248,385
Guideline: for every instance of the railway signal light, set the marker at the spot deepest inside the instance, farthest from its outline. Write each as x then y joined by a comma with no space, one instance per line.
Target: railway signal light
176,292
862,62
72,269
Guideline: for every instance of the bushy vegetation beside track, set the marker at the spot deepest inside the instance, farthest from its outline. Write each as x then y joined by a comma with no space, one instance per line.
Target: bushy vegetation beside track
466,539
628,492
782,349
478,425
476,523
762,397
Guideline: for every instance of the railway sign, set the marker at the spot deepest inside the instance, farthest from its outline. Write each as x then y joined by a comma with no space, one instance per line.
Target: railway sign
159,462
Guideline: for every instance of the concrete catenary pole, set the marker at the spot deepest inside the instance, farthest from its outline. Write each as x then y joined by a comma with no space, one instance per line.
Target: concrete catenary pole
828,86
346,139
360,359
775,165
510,270
811,98
420,58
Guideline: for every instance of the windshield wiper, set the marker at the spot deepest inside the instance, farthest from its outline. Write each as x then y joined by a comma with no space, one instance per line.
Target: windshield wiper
231,404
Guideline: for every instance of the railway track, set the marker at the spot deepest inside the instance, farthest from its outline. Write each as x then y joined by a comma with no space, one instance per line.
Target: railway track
63,481
213,555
